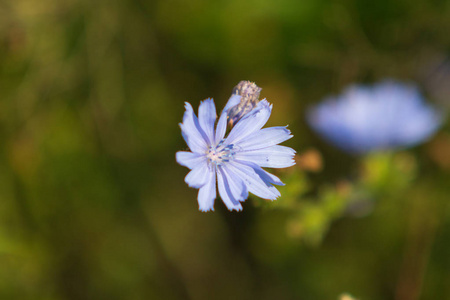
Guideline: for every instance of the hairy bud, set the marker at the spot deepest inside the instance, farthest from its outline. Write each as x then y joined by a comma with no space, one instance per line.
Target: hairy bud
249,93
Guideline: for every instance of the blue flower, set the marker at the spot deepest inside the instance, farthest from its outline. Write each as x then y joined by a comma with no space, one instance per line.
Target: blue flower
363,119
235,161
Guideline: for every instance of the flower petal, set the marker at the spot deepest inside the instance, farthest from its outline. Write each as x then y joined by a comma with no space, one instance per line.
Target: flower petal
263,174
221,127
253,181
226,192
272,157
207,117
233,101
199,176
266,137
207,193
189,159
237,187
250,123
192,132
269,177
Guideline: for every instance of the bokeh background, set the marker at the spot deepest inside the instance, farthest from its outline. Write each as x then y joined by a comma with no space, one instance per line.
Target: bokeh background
94,206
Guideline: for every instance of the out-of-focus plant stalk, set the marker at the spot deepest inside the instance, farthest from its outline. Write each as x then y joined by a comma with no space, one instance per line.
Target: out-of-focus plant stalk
423,224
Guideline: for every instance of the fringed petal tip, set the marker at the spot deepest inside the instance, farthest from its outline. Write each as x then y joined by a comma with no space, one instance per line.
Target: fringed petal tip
207,101
205,209
187,109
237,208
288,131
265,105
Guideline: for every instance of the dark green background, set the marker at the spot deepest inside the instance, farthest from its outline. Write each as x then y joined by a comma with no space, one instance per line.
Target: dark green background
93,204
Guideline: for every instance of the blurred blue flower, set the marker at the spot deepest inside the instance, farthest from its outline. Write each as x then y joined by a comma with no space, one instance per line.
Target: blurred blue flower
236,160
363,119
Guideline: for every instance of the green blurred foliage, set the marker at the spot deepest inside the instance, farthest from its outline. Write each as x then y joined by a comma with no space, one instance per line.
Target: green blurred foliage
93,205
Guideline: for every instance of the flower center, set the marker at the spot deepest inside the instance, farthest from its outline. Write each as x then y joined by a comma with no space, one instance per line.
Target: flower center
220,154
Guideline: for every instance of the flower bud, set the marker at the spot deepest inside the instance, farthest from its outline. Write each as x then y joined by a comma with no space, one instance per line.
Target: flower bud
249,93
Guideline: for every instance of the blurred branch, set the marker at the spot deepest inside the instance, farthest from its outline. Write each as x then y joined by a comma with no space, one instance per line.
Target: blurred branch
424,222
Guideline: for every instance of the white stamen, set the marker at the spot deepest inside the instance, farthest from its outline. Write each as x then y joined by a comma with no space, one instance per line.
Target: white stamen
220,154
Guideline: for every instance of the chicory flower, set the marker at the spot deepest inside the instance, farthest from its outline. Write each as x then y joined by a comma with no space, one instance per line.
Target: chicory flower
235,162
388,115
